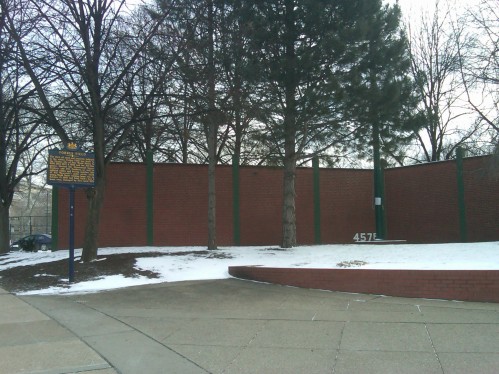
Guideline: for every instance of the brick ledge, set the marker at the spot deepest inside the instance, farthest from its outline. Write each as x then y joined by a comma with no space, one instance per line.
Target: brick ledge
463,285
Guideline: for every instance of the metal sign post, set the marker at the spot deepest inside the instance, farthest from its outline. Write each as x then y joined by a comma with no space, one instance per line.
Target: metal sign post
71,168
71,275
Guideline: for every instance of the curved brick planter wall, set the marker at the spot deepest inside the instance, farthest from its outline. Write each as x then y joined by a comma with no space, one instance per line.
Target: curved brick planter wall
465,285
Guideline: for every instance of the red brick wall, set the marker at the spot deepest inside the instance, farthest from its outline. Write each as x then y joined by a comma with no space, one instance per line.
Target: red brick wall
482,200
346,204
421,205
260,205
181,204
123,213
421,202
465,285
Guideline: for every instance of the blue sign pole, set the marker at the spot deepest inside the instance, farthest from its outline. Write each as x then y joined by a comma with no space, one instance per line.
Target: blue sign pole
71,168
71,233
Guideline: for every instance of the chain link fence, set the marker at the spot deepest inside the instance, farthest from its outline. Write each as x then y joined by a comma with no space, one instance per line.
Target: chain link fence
20,226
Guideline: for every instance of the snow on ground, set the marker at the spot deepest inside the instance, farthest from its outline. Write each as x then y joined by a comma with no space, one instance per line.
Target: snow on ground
186,264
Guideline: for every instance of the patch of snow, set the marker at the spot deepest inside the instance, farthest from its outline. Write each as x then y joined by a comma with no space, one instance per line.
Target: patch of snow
45,275
101,284
174,264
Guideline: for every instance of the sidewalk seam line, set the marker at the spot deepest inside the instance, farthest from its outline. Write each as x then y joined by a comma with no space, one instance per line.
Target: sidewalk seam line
149,337
71,331
339,346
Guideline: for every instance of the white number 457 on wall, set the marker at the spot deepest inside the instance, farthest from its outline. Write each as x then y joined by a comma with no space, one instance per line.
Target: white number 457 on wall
364,236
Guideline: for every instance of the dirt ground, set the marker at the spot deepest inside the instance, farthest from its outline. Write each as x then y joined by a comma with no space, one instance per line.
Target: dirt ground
52,274
44,275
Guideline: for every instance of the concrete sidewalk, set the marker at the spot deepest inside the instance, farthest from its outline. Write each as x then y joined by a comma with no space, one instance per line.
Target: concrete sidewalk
32,342
233,326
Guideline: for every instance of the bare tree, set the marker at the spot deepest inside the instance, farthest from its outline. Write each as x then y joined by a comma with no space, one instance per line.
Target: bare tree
435,69
165,127
82,43
202,91
23,138
478,51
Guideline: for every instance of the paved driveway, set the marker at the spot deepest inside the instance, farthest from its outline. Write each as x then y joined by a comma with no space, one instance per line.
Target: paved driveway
234,326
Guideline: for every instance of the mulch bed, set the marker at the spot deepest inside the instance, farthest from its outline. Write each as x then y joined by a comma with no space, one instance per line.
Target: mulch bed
52,274
55,274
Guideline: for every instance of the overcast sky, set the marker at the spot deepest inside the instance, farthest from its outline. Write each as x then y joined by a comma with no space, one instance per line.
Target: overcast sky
411,8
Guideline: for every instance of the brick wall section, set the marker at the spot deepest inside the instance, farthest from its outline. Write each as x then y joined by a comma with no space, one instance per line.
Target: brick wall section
260,205
420,205
123,214
304,206
347,204
181,204
79,219
482,199
465,285
421,202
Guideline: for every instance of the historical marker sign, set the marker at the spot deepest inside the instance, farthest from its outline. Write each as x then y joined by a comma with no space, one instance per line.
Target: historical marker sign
71,166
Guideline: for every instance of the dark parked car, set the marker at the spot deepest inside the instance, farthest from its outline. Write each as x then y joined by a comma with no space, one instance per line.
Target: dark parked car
33,243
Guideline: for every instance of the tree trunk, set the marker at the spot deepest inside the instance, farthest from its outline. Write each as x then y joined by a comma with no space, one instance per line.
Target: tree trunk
4,229
290,85
288,208
95,199
211,134
4,203
95,196
212,198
